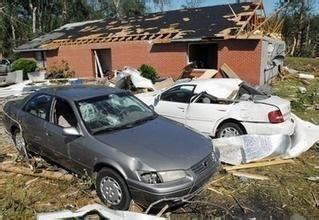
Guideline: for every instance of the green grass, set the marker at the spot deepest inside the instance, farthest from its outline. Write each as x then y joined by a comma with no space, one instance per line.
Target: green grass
302,64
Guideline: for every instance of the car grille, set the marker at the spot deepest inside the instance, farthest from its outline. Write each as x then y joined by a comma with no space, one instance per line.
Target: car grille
202,165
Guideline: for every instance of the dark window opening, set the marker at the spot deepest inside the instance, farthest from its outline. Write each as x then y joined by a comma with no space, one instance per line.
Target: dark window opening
204,56
63,114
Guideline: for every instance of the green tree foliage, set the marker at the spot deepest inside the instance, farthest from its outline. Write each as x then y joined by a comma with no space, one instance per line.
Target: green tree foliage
26,65
148,72
21,21
301,28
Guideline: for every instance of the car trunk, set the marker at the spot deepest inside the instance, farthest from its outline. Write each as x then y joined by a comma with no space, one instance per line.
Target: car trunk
282,104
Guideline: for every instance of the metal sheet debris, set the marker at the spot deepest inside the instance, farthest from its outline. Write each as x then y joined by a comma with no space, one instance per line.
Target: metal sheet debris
96,209
136,78
249,148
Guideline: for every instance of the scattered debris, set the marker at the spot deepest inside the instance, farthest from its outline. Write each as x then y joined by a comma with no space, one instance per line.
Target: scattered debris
249,175
258,164
302,89
313,178
168,82
208,74
316,200
96,209
306,76
135,77
44,174
248,148
227,72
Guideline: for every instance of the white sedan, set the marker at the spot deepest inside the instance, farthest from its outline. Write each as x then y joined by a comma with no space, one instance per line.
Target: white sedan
222,108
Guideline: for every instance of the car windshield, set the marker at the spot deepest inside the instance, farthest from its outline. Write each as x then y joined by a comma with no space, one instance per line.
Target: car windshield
113,112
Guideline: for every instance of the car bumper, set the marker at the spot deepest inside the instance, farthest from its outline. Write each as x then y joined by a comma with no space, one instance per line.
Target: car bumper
172,193
287,128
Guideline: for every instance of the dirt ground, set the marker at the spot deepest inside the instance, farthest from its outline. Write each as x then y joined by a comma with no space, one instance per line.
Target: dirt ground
288,192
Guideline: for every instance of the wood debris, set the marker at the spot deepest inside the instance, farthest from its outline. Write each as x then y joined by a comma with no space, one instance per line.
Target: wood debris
249,175
227,72
258,164
44,174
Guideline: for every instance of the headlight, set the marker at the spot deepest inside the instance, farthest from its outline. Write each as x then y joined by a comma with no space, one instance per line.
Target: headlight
150,178
162,176
168,176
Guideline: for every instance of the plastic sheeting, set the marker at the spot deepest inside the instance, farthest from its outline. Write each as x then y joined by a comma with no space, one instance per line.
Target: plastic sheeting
249,148
96,208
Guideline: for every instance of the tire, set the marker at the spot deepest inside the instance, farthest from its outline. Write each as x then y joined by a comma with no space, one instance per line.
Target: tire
20,142
121,198
230,129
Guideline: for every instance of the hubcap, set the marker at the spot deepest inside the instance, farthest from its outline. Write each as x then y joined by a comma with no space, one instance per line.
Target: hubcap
111,190
229,132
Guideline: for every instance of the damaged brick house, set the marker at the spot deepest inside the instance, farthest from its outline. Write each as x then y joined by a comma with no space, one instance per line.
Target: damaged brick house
168,41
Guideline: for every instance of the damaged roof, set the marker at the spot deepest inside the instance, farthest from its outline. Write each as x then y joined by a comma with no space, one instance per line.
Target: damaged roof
163,27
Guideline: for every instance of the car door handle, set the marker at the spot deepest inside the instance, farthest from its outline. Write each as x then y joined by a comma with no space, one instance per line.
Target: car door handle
181,108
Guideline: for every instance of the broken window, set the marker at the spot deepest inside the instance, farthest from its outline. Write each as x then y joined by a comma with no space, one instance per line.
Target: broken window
39,106
204,56
182,94
63,114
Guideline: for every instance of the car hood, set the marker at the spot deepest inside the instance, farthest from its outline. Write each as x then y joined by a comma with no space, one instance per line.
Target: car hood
160,143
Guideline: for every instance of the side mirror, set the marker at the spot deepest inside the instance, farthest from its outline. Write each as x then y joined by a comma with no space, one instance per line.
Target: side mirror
72,131
151,107
157,99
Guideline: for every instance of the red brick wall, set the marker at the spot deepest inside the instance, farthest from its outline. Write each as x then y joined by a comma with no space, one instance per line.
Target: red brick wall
167,59
242,56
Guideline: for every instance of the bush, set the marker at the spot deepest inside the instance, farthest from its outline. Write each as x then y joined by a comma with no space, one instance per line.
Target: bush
27,66
148,72
60,71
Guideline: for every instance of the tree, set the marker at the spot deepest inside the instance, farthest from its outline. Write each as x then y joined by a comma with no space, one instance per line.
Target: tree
299,30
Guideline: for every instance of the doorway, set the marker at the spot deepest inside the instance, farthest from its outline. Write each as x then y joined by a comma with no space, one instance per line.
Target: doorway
102,62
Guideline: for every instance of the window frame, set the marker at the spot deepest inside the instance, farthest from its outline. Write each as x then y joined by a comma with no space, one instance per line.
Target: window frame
47,119
54,101
194,87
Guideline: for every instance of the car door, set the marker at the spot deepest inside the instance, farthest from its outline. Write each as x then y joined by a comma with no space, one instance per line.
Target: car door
174,102
34,115
205,111
62,116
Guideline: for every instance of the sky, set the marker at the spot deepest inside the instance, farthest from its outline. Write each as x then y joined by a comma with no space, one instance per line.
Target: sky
269,4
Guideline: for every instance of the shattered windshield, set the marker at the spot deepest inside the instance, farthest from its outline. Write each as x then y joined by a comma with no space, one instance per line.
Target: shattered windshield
113,112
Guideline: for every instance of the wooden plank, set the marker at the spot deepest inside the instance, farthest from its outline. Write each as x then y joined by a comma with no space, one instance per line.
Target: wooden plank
228,71
258,164
43,174
249,175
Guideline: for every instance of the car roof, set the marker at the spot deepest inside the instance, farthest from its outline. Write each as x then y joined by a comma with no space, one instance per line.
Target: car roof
218,87
79,92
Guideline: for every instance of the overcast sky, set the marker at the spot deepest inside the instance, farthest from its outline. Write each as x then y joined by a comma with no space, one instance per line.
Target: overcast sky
269,4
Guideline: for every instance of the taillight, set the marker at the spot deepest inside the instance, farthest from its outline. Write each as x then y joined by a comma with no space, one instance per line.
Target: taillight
275,117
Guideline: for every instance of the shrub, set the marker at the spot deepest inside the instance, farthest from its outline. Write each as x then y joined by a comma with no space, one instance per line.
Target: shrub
148,72
60,71
25,65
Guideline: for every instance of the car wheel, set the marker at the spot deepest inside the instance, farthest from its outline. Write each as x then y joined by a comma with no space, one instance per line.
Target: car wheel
112,189
20,142
229,129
